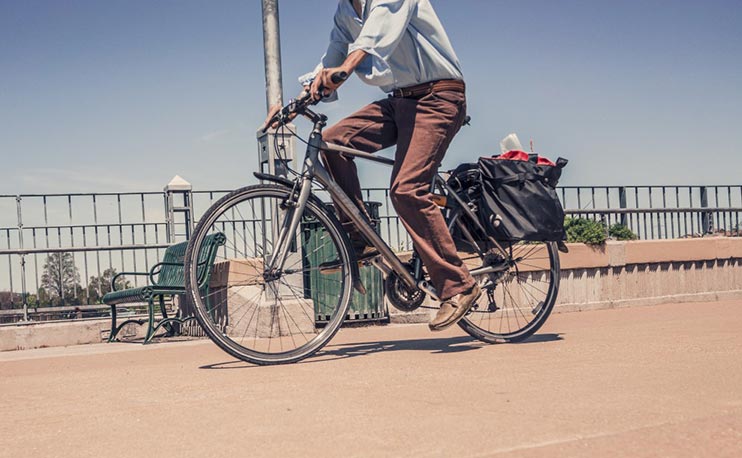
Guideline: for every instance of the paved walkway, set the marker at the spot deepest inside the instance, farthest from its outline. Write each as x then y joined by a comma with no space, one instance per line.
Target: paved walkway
639,382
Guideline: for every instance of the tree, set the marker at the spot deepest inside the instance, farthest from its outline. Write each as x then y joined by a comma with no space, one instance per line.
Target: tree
61,279
33,300
43,298
10,300
101,285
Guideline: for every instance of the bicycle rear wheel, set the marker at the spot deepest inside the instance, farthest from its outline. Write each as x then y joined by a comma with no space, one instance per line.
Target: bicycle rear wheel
261,315
517,301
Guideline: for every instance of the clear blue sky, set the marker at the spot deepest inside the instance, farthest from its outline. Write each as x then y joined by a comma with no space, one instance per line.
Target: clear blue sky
121,95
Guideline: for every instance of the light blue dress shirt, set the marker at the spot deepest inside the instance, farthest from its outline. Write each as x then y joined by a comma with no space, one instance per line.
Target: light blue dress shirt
405,40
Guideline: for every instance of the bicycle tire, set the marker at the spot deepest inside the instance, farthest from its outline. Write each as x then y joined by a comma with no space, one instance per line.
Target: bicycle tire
287,296
524,295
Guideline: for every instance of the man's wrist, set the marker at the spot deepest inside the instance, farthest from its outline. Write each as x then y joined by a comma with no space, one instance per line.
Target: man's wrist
353,60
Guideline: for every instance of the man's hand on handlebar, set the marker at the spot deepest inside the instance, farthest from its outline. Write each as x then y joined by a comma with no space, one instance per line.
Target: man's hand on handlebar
312,94
327,81
271,121
278,115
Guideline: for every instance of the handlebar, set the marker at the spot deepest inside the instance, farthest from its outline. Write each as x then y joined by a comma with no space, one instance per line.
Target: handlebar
297,106
339,77
300,104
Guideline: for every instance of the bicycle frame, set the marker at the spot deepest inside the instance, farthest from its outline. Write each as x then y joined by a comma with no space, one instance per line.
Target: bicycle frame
313,169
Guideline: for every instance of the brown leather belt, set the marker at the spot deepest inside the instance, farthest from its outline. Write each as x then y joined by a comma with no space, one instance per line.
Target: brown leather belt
421,90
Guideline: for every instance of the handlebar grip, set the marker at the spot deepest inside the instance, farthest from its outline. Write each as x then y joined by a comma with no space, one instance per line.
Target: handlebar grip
339,77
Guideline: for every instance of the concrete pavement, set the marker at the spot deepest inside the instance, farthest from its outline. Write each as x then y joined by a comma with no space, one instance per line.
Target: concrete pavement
644,381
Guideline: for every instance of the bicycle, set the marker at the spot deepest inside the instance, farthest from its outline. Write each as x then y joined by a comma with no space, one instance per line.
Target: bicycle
278,306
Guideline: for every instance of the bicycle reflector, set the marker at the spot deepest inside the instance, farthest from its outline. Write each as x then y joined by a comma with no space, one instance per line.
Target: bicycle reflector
439,200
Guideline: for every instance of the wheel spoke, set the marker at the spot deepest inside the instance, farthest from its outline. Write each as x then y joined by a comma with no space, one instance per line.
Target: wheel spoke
262,316
534,279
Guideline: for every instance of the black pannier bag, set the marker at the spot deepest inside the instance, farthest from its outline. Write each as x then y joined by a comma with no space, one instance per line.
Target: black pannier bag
466,181
519,199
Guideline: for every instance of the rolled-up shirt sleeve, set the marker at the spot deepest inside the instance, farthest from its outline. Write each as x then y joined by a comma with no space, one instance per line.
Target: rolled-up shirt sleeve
337,51
335,55
383,29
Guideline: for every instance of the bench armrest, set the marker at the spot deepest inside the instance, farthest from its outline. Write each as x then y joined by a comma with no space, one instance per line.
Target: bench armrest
120,274
205,280
157,268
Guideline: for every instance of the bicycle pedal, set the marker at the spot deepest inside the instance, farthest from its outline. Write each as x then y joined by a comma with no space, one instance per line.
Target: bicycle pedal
358,286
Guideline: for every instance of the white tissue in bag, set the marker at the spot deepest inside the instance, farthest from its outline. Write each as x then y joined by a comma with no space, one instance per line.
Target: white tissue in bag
510,143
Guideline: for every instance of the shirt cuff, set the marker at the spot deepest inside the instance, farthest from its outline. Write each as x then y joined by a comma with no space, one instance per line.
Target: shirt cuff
307,78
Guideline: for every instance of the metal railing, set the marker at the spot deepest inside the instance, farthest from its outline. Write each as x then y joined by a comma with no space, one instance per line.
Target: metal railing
95,234
60,249
659,212
650,212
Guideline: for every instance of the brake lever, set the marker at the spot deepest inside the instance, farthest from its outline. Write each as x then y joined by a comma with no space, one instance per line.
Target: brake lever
284,113
303,100
272,121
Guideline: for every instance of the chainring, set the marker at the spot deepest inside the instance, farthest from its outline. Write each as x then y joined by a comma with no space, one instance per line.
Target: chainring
400,296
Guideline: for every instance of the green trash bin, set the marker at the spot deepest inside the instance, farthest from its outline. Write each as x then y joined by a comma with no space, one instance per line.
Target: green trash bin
323,289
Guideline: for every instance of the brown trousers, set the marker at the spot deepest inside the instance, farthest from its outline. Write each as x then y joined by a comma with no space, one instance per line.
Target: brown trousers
422,128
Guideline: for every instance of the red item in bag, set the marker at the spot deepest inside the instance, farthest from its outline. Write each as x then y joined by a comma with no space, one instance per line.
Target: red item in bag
523,156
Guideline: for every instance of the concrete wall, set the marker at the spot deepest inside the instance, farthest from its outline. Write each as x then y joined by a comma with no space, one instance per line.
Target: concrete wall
650,272
76,332
617,274
58,334
620,274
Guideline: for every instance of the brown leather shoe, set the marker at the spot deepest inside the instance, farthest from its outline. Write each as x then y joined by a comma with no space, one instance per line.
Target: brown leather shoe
454,309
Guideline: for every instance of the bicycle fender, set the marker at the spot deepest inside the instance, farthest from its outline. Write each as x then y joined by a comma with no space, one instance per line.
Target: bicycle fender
274,179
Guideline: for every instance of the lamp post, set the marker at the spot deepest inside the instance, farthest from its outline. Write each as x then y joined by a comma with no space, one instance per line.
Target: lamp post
274,150
272,54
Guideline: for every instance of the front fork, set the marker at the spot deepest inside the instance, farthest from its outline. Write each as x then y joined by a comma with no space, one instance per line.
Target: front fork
295,208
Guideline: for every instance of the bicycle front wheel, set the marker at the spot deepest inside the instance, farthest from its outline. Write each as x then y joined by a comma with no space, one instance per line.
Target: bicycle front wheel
254,308
517,301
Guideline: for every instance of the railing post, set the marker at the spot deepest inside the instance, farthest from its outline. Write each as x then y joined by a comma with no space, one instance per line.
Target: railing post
706,220
622,203
178,186
606,225
169,215
24,293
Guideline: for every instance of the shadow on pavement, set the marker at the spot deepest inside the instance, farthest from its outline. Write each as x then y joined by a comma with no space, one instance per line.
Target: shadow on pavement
540,338
333,352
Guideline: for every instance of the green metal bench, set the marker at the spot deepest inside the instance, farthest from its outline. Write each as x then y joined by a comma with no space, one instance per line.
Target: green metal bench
165,279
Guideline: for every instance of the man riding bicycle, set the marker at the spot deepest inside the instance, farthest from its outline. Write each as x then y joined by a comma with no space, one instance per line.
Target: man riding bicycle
400,46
